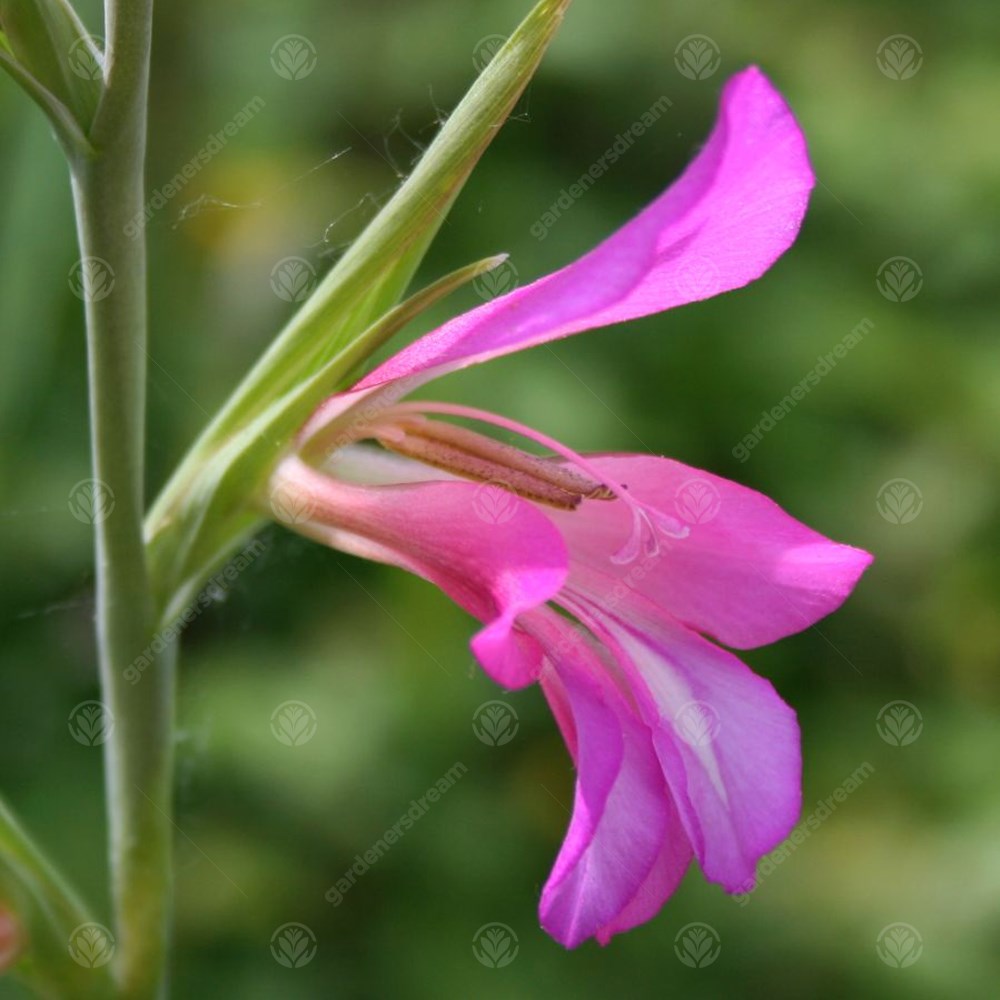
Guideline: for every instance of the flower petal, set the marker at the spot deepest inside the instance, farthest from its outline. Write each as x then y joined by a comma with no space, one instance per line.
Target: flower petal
733,212
728,745
625,850
494,569
735,209
747,573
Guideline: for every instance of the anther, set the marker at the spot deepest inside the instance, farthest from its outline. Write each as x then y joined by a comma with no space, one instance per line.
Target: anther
475,456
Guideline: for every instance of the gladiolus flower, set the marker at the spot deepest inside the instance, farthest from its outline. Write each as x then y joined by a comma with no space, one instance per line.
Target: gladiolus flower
681,750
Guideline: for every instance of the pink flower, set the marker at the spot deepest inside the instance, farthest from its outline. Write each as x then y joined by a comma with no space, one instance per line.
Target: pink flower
681,751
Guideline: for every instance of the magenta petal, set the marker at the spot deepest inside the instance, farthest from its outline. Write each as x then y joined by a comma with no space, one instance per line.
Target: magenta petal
495,571
733,212
625,850
728,745
746,573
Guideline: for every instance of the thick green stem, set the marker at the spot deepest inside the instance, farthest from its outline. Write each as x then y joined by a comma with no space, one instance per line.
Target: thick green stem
108,192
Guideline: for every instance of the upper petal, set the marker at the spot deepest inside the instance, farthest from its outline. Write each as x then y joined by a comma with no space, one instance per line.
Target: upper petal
625,850
495,568
746,573
735,209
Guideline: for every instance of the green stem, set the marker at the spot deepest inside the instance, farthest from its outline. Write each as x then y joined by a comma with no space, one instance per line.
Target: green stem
109,191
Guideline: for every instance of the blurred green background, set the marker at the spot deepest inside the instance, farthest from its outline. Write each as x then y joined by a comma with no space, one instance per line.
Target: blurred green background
907,168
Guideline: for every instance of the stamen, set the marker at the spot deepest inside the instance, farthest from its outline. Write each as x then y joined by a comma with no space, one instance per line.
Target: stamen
648,522
481,446
422,443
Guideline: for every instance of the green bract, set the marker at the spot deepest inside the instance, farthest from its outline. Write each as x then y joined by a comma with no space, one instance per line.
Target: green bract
207,506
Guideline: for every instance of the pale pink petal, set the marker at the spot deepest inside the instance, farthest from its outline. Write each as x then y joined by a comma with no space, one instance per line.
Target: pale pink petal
746,573
735,209
494,569
625,850
728,745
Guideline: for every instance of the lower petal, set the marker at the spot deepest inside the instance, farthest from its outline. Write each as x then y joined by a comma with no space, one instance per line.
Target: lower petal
727,743
625,850
494,568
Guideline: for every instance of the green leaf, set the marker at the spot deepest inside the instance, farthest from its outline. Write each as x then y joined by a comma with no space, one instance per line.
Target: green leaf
51,917
45,49
210,502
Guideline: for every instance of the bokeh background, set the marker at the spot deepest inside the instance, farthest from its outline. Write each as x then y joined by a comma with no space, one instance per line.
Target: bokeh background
907,168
